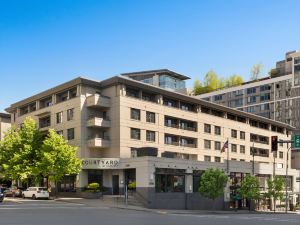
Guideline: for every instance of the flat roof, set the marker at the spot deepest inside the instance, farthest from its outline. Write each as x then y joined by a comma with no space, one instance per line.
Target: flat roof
147,87
4,115
159,72
188,99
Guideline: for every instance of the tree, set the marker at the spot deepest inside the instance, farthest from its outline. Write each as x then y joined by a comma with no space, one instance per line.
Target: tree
198,88
25,154
234,80
212,183
275,189
256,71
250,188
19,151
57,158
211,81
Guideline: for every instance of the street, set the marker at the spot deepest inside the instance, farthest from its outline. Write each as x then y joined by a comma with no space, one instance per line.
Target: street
43,212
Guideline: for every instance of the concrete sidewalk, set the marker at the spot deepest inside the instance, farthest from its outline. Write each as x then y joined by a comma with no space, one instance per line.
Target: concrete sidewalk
123,206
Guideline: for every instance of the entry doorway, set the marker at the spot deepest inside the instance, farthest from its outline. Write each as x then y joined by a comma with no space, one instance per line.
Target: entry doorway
115,184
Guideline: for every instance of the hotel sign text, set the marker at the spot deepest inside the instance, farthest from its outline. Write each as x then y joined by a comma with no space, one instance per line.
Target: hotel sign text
103,163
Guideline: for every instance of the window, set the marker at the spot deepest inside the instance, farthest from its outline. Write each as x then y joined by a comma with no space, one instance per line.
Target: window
207,158
70,133
242,135
217,145
218,97
217,130
169,183
135,133
217,159
45,122
70,114
170,102
207,128
233,133
150,117
59,117
135,114
242,149
233,148
60,132
251,90
207,144
148,97
265,97
281,155
233,159
150,135
132,93
251,99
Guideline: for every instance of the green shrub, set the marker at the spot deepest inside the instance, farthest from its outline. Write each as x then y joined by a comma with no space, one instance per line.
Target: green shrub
132,185
93,187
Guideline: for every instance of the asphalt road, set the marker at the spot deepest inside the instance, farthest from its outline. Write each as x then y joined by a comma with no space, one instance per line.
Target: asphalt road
41,212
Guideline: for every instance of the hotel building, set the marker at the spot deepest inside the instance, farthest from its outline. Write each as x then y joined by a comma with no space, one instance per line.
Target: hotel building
4,124
143,127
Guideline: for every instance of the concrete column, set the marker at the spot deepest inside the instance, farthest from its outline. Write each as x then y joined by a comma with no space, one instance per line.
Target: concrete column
189,181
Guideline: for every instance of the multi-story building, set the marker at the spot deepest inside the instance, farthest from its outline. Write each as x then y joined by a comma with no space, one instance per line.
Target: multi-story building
276,97
4,124
130,128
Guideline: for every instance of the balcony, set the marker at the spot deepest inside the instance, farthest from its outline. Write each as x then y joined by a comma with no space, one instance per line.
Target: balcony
98,101
98,122
99,143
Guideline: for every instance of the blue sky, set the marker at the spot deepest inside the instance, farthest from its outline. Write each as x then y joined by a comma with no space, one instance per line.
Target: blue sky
45,43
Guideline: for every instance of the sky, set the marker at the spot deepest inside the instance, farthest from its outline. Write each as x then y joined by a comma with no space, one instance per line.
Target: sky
44,43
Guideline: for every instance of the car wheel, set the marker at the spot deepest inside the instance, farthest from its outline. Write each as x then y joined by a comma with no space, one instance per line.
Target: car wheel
33,197
23,196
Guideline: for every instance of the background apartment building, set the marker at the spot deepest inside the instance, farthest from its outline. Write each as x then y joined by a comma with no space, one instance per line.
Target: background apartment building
4,124
140,127
276,97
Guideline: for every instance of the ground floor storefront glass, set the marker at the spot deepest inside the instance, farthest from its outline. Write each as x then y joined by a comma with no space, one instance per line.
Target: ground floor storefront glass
67,184
169,180
95,176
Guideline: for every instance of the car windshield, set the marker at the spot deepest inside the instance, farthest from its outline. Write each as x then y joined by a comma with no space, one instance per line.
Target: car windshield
42,189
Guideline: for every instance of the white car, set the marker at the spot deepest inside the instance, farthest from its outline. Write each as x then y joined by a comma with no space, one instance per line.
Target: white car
36,192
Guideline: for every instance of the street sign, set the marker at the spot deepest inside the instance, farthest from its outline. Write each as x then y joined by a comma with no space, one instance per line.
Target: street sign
297,141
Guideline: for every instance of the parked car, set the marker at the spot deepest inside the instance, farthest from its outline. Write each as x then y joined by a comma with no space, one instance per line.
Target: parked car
1,195
36,192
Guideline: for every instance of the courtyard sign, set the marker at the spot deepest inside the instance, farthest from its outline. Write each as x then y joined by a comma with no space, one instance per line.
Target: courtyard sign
103,163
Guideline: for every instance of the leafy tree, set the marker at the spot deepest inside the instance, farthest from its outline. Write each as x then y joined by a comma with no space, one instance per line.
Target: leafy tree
212,183
213,82
19,150
57,158
256,71
275,189
198,88
234,80
26,155
250,188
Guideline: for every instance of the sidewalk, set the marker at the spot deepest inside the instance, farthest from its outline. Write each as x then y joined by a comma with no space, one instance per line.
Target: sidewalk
122,206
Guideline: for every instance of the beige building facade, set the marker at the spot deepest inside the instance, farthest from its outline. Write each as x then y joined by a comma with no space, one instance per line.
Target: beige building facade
4,124
130,130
